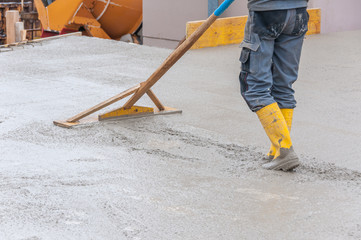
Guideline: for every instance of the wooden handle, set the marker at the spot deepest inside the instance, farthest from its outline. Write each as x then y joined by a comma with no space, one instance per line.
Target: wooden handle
177,54
170,61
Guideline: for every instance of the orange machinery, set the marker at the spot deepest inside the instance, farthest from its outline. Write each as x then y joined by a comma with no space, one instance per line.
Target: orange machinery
109,19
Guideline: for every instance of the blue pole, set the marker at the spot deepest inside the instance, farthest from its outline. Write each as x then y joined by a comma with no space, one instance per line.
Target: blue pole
212,6
223,7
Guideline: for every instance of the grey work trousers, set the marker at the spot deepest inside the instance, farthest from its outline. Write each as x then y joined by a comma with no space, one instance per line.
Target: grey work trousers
270,56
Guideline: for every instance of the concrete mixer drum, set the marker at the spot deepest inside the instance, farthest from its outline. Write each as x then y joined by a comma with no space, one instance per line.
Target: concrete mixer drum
109,19
118,17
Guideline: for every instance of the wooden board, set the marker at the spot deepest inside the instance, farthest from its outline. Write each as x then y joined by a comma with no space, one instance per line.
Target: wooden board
85,121
230,30
92,120
12,17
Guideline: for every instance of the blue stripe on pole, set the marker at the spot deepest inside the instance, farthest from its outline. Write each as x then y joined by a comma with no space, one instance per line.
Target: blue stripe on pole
223,7
212,6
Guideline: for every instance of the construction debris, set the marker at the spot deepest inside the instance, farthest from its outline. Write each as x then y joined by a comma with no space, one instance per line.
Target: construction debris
28,15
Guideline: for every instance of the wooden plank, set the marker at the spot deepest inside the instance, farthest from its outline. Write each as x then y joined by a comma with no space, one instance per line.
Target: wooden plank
65,124
56,37
29,15
12,17
13,44
170,61
155,100
42,39
91,120
104,104
230,30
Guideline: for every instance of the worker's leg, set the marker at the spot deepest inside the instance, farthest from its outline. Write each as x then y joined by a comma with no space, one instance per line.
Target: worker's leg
286,58
256,58
256,83
276,129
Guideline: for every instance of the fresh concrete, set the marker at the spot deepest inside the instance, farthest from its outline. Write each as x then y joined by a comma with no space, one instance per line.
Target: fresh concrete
190,176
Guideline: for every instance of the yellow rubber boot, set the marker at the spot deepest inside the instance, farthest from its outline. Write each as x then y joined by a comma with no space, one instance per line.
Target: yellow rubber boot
288,115
276,129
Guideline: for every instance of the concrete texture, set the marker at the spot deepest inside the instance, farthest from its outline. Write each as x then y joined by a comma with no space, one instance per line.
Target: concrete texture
190,176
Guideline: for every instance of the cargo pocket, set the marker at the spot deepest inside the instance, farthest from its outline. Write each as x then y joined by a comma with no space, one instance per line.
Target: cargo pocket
244,59
249,56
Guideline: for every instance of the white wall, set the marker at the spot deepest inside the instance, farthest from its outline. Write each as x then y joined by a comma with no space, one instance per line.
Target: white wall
338,15
164,21
238,8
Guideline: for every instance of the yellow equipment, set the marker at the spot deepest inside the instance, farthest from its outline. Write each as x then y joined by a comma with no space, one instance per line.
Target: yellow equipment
109,19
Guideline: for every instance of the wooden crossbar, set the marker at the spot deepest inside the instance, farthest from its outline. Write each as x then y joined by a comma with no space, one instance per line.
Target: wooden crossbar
155,100
104,104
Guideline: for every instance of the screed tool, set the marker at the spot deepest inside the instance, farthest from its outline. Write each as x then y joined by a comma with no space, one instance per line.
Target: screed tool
129,110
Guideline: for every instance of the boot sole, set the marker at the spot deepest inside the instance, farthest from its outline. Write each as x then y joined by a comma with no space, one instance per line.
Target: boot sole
267,158
287,166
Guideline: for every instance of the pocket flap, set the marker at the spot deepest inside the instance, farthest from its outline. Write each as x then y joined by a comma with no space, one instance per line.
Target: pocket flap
253,44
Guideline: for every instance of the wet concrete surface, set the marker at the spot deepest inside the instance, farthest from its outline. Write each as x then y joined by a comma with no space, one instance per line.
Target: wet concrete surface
191,176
